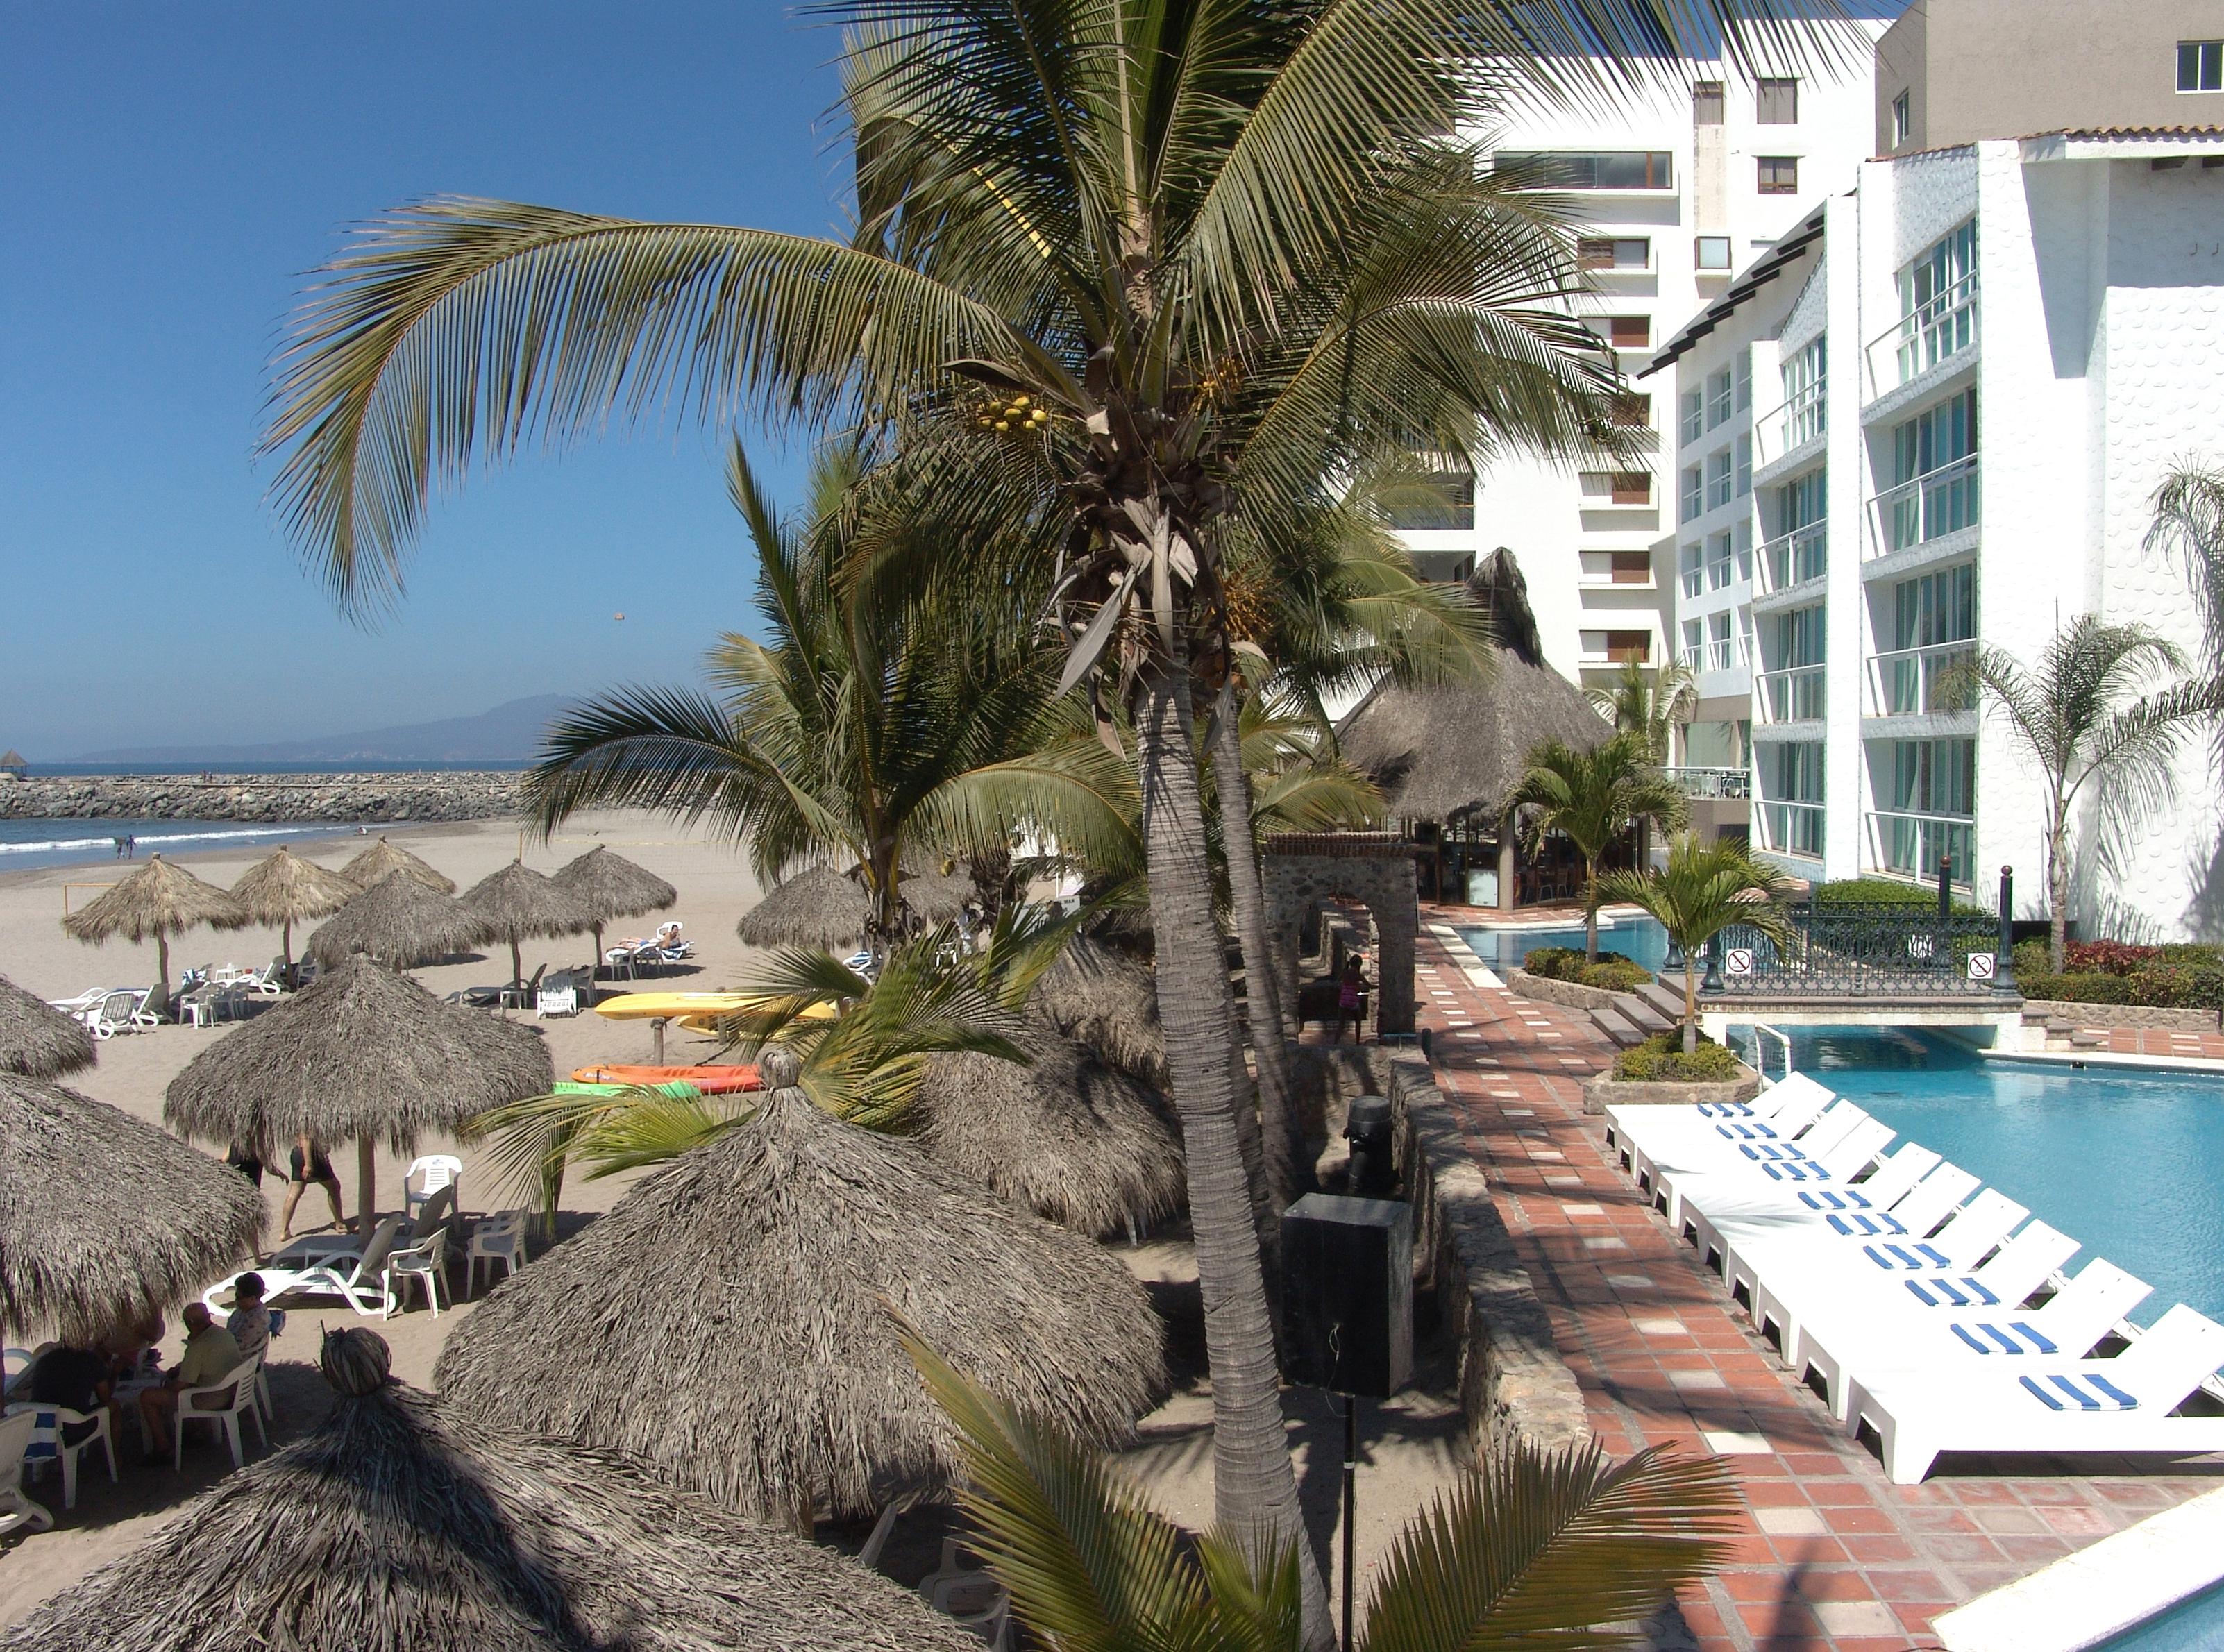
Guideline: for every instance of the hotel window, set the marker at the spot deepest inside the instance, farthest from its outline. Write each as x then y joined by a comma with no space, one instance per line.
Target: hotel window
1695,638
1617,487
1778,174
1622,647
1776,100
1719,392
1688,560
1695,493
1632,410
1713,254
1934,490
1599,169
1719,562
1743,368
1742,535
1706,103
1718,640
1803,406
1937,301
1444,502
1694,422
1744,464
1629,332
1798,780
1631,567
1718,479
1931,776
1903,122
2200,66
1930,613
1610,252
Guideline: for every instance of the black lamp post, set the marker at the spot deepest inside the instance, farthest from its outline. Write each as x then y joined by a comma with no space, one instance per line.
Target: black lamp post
2003,981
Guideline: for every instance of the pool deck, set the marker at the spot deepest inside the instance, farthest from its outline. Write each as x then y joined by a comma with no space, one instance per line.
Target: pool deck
1835,1556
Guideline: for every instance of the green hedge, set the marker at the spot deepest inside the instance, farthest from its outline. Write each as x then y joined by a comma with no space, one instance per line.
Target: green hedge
2157,987
1891,891
1613,971
1661,1058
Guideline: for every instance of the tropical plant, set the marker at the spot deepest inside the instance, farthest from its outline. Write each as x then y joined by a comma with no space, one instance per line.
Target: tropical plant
1591,798
879,723
2071,710
2188,515
1702,890
1542,1548
1089,230
1650,704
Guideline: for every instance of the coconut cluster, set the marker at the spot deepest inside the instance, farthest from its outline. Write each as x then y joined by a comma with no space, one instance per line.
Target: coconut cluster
1020,414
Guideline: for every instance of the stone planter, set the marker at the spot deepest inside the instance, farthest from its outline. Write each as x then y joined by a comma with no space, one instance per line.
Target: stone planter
1569,994
1605,1091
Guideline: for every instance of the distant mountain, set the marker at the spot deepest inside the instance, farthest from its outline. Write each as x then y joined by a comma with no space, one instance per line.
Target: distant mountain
509,732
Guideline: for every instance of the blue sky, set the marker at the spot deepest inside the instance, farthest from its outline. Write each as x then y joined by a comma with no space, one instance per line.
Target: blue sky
169,172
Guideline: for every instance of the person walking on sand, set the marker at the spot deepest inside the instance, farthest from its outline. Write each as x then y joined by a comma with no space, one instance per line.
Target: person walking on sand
309,1165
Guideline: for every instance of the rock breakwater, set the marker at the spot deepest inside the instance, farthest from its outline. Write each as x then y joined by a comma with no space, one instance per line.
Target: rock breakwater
424,796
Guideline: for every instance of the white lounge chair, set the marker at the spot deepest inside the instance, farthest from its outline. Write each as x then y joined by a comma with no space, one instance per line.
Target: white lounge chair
2123,1404
18,1510
1836,1149
358,1278
121,1012
235,1390
1838,1205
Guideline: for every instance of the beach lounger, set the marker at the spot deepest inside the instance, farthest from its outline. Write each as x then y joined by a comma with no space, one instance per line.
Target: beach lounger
2123,1404
1838,1205
1658,1153
121,1012
1636,1134
1836,1148
355,1278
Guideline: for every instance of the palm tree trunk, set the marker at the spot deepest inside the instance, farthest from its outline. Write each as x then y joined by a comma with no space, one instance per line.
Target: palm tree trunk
1282,1141
1255,1486
2057,891
1690,1005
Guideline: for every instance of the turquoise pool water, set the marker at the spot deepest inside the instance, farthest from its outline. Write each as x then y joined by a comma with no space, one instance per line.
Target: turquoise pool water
1641,940
2193,1625
2128,1164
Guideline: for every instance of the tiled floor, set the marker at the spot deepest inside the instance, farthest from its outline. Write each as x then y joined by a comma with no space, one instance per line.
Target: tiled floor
1838,1557
2153,1041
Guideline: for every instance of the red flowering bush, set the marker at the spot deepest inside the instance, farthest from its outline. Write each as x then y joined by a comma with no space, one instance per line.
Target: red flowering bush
2106,957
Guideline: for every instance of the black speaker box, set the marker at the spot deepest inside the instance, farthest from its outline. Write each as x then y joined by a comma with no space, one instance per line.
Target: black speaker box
1348,1294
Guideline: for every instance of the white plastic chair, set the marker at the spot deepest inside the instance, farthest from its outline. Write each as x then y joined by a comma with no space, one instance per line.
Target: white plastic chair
14,1362
422,1262
494,1239
51,1421
18,1510
969,1595
557,1000
439,1170
238,1383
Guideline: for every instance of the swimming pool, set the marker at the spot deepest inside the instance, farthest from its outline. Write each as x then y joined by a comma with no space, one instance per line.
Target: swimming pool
2195,1624
2126,1164
1641,940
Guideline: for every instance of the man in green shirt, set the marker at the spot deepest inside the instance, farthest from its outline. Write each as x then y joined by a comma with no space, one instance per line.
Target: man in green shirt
211,1352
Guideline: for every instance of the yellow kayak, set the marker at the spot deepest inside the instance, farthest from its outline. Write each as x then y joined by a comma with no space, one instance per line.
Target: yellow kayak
695,1010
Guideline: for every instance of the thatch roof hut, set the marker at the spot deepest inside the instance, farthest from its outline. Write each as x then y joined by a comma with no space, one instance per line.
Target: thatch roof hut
36,1039
937,896
105,1219
610,885
391,1526
819,907
399,920
731,1320
1108,1001
1441,752
518,904
363,1053
1065,1136
159,899
283,889
374,863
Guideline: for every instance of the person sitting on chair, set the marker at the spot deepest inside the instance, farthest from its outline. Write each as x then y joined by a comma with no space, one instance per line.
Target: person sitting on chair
309,1165
75,1379
210,1352
249,1320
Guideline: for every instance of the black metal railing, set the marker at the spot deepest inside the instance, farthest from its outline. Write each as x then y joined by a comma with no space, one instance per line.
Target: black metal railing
1859,952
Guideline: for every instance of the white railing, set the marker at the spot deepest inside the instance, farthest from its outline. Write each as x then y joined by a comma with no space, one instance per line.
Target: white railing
1791,558
1791,827
1940,502
1913,681
1716,785
1717,654
1938,329
1911,842
1794,694
1794,422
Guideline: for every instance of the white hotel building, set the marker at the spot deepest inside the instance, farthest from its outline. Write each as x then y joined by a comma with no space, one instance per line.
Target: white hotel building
1678,190
1968,370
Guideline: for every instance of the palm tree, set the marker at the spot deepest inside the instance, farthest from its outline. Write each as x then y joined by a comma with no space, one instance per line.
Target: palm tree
1702,890
1591,798
1539,1548
1087,229
2188,511
2071,710
878,724
1651,703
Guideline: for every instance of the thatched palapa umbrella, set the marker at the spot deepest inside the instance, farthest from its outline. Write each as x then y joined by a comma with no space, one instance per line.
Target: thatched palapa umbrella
1109,1002
391,1526
361,1053
518,904
105,1219
160,900
381,858
399,921
937,897
36,1039
282,888
730,1321
819,907
1065,1136
610,885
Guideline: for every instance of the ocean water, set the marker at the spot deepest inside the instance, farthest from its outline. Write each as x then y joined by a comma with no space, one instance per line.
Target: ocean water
2125,1162
327,765
28,844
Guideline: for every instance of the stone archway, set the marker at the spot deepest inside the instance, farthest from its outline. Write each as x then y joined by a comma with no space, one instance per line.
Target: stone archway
1377,872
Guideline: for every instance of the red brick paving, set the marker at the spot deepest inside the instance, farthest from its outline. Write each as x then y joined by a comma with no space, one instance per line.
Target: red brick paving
1835,1556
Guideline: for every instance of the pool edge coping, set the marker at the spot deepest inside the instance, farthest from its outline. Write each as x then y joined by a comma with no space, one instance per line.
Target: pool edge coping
2199,1066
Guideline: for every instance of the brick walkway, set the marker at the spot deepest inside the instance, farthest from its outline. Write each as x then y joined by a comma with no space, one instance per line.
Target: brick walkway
1837,1556
2153,1041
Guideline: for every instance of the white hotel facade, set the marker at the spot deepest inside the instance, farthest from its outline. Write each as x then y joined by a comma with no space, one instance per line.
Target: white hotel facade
1969,371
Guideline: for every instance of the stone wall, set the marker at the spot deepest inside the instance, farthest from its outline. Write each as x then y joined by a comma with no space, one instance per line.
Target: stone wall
1384,883
2122,1015
1569,994
430,795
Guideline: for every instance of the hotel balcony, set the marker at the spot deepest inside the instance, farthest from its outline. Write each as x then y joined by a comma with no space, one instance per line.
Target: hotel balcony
1713,785
1786,828
1927,519
1789,436
1919,690
1788,570
1918,354
1794,694
1910,842
1717,654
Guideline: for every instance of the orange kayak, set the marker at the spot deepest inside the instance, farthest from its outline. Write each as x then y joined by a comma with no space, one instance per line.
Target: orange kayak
711,1080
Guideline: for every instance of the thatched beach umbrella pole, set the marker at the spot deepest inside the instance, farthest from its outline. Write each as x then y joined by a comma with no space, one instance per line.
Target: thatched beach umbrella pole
160,900
281,887
36,1039
362,1054
517,903
610,885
